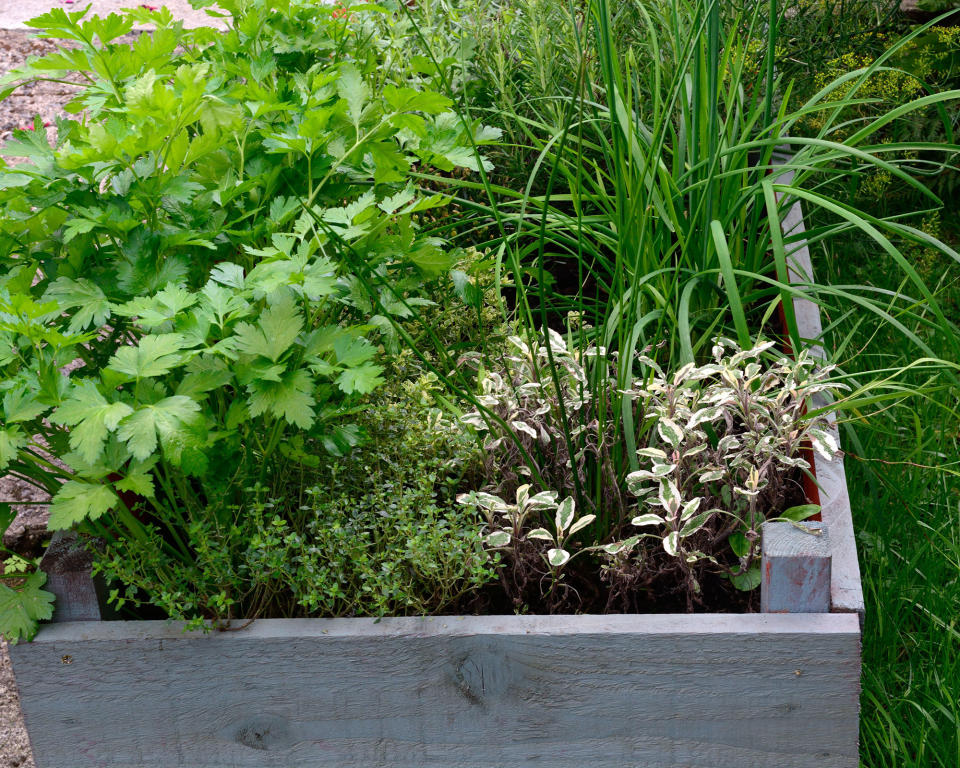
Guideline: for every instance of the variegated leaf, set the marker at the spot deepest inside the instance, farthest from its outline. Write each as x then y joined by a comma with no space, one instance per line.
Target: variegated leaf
474,420
690,508
695,524
669,496
696,451
670,431
682,374
523,493
727,444
652,363
636,482
670,543
648,519
483,500
704,415
621,546
652,453
542,500
662,470
557,557
498,539
565,512
710,476
582,523
823,443
522,426
540,533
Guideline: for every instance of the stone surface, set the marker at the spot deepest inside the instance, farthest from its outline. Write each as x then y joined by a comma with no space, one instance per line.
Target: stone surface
27,532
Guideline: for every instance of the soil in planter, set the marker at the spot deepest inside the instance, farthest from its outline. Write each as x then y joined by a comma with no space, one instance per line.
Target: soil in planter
659,587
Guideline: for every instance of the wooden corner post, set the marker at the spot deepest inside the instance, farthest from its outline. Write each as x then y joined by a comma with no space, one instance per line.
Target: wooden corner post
69,577
796,568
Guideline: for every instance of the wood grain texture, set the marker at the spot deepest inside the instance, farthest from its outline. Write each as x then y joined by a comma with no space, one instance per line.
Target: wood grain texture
846,590
795,574
708,691
68,569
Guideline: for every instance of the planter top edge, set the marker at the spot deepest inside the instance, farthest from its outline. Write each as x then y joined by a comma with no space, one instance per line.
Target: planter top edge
846,592
453,626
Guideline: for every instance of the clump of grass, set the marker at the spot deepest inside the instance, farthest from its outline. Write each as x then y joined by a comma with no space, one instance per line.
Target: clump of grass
650,213
903,471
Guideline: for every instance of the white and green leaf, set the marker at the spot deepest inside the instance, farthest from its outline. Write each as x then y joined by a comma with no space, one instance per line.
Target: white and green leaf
558,557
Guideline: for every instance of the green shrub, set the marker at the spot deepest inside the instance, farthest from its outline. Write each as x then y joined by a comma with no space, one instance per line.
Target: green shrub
372,533
721,451
201,243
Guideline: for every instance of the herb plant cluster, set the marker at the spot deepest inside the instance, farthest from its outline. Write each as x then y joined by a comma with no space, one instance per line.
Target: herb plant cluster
184,315
406,309
720,444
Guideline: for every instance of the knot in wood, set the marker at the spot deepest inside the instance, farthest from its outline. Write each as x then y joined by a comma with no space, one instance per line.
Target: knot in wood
263,733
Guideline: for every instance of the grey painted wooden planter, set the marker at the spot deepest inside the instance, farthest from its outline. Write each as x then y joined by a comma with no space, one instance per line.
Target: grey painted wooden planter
768,690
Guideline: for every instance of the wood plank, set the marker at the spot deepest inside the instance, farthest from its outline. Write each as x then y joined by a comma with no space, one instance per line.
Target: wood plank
796,568
706,691
846,590
68,568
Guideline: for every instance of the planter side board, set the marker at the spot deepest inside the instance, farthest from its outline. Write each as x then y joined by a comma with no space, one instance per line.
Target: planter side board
700,691
846,589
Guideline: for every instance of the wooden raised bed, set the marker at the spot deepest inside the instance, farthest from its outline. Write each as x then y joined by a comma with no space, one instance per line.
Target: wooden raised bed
766,690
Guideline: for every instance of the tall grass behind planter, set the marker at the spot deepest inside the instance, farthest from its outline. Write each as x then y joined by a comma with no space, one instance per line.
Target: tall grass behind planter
652,214
659,202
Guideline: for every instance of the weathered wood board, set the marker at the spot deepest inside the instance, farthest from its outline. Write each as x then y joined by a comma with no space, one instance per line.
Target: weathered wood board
795,577
846,589
699,691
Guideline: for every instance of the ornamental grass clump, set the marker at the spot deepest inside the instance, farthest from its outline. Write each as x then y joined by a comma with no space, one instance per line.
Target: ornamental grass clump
650,218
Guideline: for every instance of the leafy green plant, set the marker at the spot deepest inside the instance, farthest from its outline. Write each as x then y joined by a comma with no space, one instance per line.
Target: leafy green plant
21,609
730,433
523,405
371,533
181,312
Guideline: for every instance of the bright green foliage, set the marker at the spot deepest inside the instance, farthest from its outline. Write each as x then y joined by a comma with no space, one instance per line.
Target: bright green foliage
77,501
376,535
204,241
22,608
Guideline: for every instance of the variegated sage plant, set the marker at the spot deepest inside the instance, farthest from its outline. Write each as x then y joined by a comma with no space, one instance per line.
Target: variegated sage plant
723,450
